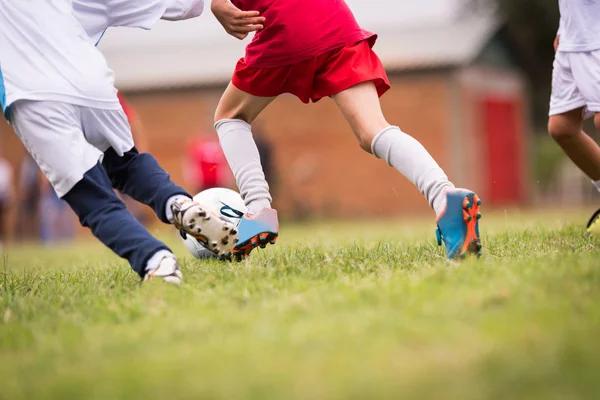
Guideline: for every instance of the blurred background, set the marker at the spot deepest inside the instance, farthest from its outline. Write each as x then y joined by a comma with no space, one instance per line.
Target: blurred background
470,80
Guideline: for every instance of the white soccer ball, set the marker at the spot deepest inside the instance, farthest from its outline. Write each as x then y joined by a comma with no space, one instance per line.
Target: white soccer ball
225,203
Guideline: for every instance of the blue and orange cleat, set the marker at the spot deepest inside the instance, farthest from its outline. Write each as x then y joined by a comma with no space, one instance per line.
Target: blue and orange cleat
458,224
255,231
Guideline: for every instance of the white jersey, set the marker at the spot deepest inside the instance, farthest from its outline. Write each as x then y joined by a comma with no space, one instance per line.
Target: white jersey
579,25
48,53
45,54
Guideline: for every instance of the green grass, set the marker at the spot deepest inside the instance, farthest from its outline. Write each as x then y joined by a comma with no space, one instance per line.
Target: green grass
359,310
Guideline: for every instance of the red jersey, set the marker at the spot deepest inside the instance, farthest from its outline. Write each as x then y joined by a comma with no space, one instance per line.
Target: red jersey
208,163
298,30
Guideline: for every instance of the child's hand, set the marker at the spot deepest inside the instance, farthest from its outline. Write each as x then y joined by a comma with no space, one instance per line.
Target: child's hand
556,42
236,22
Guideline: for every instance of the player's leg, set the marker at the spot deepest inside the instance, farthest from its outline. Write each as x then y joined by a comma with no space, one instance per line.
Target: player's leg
356,93
99,208
362,110
235,112
566,129
52,134
457,210
586,71
139,176
576,81
566,110
593,225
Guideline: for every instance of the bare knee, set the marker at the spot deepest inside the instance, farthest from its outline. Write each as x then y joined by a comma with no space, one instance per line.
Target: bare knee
361,108
366,131
236,104
365,140
564,127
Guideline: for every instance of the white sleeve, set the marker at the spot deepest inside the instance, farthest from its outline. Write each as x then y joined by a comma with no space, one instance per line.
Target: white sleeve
135,14
182,9
97,15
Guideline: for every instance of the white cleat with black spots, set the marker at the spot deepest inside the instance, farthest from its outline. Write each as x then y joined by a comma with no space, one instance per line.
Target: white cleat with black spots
215,234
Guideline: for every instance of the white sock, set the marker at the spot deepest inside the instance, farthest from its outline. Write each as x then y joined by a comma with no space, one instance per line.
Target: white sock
243,158
597,184
155,260
177,197
410,158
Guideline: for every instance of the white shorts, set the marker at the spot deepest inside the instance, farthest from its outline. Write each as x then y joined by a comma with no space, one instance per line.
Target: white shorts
576,82
66,140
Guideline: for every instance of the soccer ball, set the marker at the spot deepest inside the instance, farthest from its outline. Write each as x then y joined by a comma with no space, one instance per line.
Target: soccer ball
225,203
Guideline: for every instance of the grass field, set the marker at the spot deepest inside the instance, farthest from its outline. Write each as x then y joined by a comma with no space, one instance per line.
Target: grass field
342,311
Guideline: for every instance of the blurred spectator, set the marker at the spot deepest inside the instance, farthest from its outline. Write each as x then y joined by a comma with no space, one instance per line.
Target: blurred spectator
6,196
57,220
40,213
27,200
205,165
138,210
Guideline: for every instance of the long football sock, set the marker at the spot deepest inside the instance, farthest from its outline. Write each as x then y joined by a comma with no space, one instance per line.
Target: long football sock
410,158
242,155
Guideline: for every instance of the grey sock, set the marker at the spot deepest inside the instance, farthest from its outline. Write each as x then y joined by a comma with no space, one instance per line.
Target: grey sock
243,158
410,158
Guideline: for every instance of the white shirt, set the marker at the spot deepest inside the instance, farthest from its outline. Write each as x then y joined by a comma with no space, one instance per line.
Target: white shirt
579,25
45,54
47,47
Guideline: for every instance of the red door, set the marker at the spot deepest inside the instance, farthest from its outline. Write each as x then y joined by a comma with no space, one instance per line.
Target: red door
505,143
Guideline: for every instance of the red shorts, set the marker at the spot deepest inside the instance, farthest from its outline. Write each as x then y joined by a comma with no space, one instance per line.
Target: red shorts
330,73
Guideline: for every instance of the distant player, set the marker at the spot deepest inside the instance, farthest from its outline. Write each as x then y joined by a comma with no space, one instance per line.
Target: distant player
58,94
7,195
576,87
315,49
206,166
